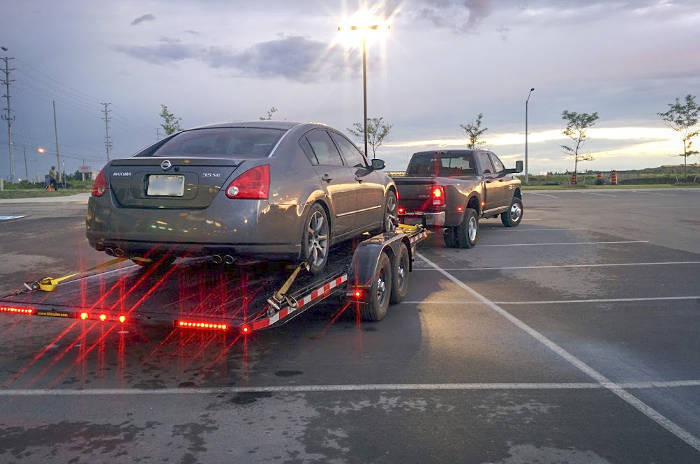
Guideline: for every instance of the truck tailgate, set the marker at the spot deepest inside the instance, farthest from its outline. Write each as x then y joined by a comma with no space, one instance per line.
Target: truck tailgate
415,192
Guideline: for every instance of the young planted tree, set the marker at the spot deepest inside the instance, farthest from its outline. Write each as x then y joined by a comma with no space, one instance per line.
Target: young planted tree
377,130
268,115
474,131
171,123
682,118
576,126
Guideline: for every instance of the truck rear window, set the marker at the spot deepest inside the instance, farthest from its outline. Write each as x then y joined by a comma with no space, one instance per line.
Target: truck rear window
236,142
441,165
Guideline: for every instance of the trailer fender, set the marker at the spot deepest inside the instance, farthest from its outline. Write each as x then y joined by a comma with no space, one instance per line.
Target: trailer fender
365,259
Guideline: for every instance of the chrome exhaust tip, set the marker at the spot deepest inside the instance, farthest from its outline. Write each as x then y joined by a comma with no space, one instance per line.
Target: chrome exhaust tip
228,259
118,252
109,251
217,259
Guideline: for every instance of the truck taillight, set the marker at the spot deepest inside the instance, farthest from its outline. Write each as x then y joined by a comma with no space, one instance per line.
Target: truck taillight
100,185
438,195
254,184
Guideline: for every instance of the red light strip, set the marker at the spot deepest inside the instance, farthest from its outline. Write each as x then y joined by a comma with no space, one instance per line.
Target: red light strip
15,310
202,325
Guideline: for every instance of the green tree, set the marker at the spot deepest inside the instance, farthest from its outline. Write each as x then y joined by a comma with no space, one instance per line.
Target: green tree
377,130
268,115
171,123
576,126
682,118
474,131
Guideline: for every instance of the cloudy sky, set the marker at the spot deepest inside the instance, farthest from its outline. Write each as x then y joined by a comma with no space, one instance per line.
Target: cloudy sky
443,62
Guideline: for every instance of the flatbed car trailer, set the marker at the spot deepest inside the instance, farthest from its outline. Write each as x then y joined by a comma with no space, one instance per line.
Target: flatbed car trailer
198,294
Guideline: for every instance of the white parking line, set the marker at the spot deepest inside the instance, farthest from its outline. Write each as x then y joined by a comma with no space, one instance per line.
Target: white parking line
541,194
555,266
544,229
347,388
619,242
541,302
616,389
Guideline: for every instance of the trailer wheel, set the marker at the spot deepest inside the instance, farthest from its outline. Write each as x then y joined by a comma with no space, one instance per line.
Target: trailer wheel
380,292
399,281
468,230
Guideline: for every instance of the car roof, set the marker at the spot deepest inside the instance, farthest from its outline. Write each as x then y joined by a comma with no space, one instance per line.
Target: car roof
285,125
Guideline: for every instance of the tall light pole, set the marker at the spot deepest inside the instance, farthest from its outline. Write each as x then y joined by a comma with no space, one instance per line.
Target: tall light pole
364,29
526,102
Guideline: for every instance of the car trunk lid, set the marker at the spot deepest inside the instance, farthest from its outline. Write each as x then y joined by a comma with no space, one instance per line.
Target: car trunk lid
173,182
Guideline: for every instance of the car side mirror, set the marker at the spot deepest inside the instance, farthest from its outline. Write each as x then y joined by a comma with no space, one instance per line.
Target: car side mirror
377,164
519,166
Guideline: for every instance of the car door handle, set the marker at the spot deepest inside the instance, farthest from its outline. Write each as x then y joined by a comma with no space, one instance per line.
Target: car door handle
326,178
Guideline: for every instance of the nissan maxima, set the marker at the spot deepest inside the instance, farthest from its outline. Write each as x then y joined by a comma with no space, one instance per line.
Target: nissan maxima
264,189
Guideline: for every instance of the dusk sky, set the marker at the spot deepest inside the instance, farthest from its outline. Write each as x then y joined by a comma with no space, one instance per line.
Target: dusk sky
443,62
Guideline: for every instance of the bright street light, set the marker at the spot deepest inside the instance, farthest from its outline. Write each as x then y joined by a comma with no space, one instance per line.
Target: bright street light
41,150
364,25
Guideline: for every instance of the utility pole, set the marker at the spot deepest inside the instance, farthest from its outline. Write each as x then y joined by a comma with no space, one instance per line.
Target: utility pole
526,102
83,172
26,169
55,131
108,140
8,113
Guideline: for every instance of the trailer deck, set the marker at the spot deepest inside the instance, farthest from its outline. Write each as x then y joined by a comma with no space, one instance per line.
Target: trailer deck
196,293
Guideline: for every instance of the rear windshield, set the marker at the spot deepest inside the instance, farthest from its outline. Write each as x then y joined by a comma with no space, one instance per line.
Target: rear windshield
441,165
236,142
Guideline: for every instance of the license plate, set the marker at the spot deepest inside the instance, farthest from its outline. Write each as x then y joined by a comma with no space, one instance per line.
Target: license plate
165,186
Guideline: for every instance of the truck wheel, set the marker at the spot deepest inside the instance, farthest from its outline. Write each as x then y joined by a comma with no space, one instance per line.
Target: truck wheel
391,215
467,231
380,293
315,241
514,215
449,234
399,281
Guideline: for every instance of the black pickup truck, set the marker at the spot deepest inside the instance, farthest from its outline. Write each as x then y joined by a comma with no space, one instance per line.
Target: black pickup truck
452,189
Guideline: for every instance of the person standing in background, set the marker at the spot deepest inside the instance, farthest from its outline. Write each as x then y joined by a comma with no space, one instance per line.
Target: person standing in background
52,178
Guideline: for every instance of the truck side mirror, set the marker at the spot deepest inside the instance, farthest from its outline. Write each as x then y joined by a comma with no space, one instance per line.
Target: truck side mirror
519,166
377,164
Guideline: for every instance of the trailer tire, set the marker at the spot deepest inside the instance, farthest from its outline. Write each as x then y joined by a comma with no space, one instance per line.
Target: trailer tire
514,215
467,231
380,293
399,280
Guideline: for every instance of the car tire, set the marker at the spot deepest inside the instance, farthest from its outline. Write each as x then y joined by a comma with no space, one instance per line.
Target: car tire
399,281
380,293
467,232
514,215
391,215
315,239
449,235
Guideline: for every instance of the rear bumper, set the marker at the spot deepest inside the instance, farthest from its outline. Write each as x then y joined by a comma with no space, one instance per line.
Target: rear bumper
434,219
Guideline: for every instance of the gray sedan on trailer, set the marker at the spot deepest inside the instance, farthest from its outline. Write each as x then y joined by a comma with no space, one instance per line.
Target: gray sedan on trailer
276,190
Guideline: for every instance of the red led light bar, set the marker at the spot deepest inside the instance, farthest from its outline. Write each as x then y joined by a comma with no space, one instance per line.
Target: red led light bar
15,310
201,325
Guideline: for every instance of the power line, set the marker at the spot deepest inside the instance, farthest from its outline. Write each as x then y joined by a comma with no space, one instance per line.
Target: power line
8,113
106,119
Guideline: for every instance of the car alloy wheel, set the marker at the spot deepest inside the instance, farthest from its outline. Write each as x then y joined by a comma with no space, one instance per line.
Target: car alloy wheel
317,239
391,217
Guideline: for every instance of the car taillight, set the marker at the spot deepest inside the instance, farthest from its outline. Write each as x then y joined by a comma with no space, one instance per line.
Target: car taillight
254,184
438,195
100,185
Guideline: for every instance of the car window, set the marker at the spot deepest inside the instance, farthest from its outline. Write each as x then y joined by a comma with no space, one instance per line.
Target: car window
308,151
324,148
497,165
484,162
441,165
351,154
238,142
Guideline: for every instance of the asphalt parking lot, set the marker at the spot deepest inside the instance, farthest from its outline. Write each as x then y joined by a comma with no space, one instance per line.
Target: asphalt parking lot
572,338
